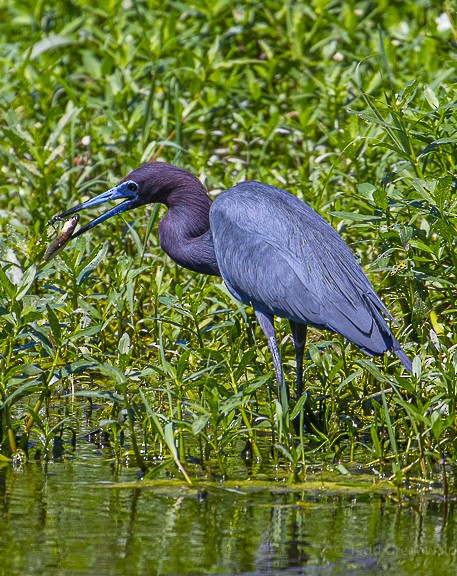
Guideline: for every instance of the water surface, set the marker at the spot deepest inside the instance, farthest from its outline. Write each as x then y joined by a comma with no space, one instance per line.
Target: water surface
83,516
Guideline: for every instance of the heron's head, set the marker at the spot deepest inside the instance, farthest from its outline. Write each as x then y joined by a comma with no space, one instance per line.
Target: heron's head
150,183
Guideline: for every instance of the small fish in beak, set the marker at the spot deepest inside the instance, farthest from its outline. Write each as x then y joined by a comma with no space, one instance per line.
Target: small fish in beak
62,238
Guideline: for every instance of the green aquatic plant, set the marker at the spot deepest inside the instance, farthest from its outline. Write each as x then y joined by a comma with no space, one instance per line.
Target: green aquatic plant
348,105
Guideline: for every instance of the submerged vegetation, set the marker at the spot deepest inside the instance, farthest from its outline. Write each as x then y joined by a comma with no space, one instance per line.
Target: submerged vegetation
350,105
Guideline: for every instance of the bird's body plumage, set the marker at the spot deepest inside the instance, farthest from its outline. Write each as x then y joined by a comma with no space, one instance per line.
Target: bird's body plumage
278,255
273,251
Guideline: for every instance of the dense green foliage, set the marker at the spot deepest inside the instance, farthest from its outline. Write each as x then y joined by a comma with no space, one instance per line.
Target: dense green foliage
350,105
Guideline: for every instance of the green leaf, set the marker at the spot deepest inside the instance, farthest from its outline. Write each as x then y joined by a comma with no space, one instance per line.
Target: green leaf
40,335
435,144
416,243
89,264
55,325
171,301
380,199
86,333
52,42
298,406
420,187
25,282
113,372
442,191
354,216
14,125
373,369
124,344
238,62
366,190
315,354
182,365
26,389
343,470
390,428
417,367
375,439
170,442
199,424
101,395
437,423
431,98
7,285
407,94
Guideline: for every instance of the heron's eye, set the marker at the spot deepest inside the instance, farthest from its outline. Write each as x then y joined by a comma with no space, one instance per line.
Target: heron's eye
133,187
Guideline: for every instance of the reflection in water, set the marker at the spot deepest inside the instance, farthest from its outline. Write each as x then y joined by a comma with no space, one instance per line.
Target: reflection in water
67,518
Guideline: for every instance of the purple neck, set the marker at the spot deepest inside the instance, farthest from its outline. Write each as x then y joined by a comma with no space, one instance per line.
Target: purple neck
184,232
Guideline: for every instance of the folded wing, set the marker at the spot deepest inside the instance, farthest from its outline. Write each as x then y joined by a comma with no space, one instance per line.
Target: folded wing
278,255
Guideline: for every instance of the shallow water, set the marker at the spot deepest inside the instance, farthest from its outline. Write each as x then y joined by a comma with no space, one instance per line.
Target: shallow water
82,516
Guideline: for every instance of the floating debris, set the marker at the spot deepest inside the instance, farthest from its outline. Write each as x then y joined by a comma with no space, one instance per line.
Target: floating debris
63,237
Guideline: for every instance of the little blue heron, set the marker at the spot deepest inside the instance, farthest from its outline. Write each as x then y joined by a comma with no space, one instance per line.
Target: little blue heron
273,251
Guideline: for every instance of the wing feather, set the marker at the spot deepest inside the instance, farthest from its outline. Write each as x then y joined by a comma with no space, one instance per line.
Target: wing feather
278,255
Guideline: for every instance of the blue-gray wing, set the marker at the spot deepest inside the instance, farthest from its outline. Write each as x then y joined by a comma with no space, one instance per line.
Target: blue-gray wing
278,255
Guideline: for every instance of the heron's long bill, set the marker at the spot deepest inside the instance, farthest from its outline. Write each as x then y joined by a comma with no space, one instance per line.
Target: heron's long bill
125,190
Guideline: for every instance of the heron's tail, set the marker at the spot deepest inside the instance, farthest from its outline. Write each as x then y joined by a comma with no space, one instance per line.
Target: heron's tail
377,306
404,359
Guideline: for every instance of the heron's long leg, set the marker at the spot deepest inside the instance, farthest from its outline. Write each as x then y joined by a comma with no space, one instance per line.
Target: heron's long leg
299,337
267,324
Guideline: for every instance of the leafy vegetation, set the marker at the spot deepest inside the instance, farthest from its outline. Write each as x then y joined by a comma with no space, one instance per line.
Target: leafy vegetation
350,105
